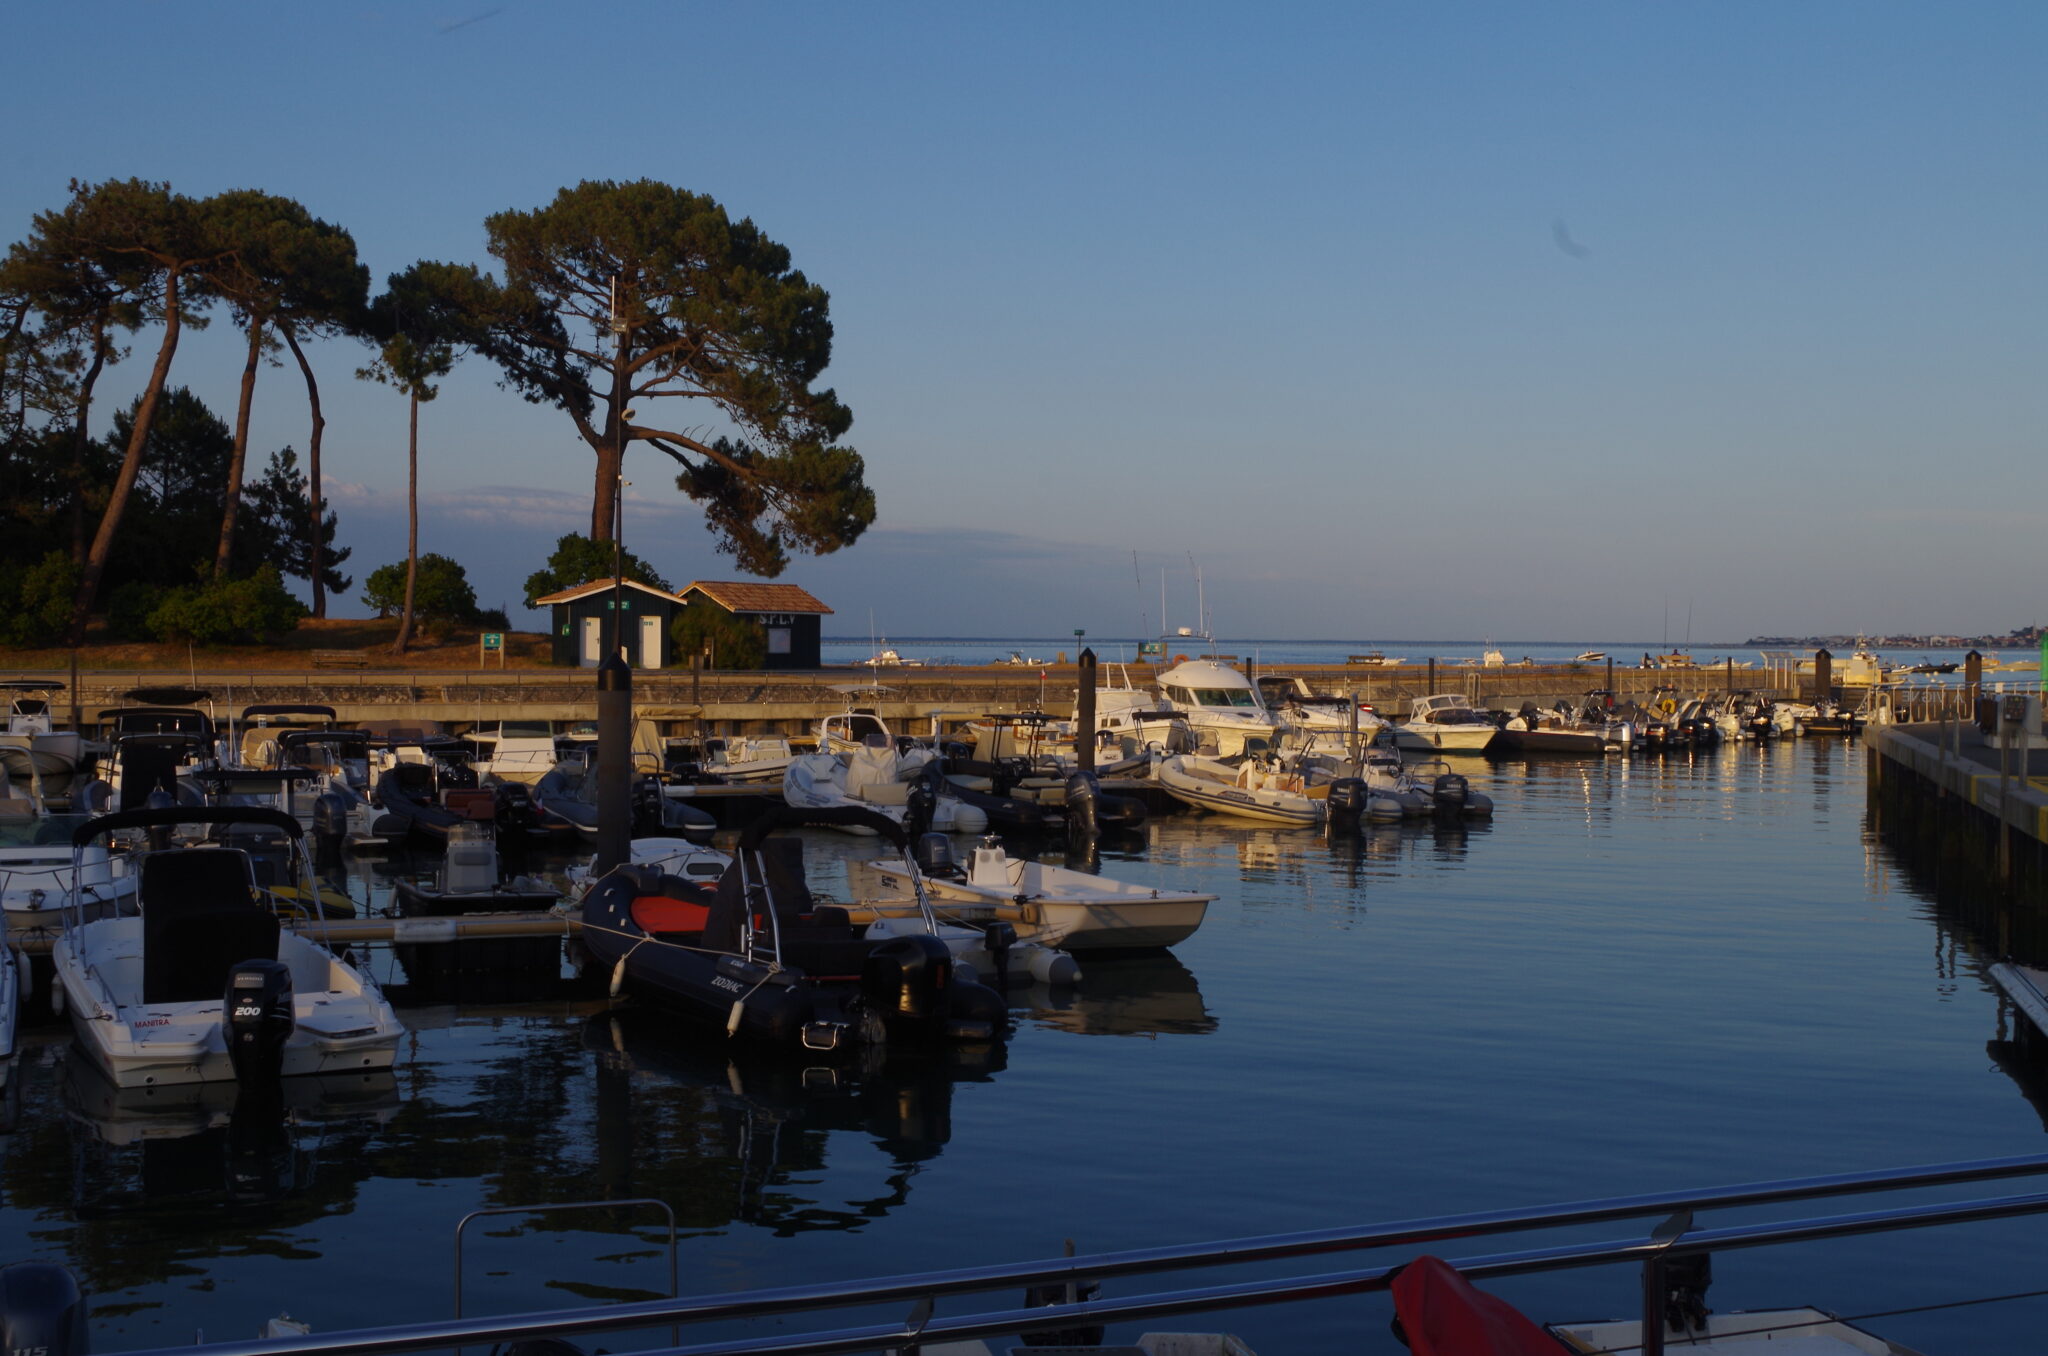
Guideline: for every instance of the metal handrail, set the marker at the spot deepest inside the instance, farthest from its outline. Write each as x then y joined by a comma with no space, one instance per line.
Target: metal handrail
1652,1252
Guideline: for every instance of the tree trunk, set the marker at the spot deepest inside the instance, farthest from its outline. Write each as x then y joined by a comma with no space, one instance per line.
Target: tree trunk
319,548
412,530
611,456
80,435
607,488
131,463
240,455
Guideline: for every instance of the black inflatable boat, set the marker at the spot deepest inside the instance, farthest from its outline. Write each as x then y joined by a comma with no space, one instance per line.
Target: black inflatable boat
757,956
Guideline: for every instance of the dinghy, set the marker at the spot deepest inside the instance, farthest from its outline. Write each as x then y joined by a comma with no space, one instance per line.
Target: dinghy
876,777
1051,905
1248,788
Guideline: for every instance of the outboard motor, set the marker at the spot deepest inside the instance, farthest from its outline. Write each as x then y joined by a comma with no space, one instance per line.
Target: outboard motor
920,804
648,806
513,807
905,979
1084,803
997,939
1449,793
1346,805
935,856
257,1015
41,1310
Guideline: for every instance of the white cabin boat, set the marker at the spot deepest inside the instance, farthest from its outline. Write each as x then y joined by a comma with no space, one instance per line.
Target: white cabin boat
874,777
33,752
1445,723
1224,711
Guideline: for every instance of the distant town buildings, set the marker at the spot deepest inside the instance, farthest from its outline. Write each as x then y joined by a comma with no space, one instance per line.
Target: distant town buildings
2024,638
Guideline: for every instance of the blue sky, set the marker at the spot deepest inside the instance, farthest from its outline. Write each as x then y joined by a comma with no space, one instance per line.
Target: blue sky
1400,320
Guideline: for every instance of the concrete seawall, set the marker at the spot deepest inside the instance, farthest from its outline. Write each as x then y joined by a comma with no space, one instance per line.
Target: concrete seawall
764,703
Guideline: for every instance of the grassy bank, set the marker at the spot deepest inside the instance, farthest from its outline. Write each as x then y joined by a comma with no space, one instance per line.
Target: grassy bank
455,649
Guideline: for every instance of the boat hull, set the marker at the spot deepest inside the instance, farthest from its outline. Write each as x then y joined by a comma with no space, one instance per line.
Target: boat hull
1130,918
1290,809
1445,738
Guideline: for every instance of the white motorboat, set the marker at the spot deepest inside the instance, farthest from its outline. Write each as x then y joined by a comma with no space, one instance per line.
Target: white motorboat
1445,723
1223,709
761,758
204,984
1249,789
1590,657
516,751
36,882
1051,905
33,752
875,776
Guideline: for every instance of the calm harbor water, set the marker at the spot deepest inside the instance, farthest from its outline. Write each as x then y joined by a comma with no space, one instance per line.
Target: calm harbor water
1641,976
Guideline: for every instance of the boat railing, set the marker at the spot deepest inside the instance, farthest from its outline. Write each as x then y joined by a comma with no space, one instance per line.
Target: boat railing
1675,1237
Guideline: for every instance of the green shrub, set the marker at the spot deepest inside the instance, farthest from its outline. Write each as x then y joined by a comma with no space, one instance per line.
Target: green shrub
227,611
35,601
579,560
734,642
129,608
440,594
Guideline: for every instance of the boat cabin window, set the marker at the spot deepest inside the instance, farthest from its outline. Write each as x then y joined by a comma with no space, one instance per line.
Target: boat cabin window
859,727
1224,696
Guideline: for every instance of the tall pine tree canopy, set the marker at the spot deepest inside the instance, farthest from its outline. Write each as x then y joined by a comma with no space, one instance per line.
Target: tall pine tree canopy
642,311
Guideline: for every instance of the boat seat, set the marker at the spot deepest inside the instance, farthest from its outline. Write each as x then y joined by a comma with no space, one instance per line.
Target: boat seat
885,793
200,919
663,916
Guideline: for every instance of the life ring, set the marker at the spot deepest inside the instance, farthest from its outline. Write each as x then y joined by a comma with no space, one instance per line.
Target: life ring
1667,706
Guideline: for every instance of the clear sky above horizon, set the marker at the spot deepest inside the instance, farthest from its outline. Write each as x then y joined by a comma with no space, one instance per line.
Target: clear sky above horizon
1399,320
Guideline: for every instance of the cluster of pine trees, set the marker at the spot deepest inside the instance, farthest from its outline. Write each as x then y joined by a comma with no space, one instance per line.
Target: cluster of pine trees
611,297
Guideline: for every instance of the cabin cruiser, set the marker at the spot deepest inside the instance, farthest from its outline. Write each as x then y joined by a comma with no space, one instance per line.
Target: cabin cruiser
36,872
1446,723
1055,906
1221,706
516,750
34,753
204,984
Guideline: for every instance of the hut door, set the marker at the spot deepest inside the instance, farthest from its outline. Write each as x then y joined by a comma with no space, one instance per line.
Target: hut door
592,653
650,642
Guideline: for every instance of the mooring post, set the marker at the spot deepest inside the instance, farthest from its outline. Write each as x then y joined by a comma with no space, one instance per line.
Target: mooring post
1084,713
1823,673
1610,681
1973,681
614,763
1731,675
1432,676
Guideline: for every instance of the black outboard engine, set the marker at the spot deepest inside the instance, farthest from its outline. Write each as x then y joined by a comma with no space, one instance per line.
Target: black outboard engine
1449,793
1346,805
920,803
258,1019
648,807
1084,803
905,979
512,808
935,856
997,939
42,1310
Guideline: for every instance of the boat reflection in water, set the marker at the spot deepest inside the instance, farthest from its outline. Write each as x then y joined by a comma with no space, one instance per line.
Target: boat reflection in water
1146,995
769,1115
193,1143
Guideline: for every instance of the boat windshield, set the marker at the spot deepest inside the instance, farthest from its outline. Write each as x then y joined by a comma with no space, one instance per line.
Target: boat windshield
1213,696
44,831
